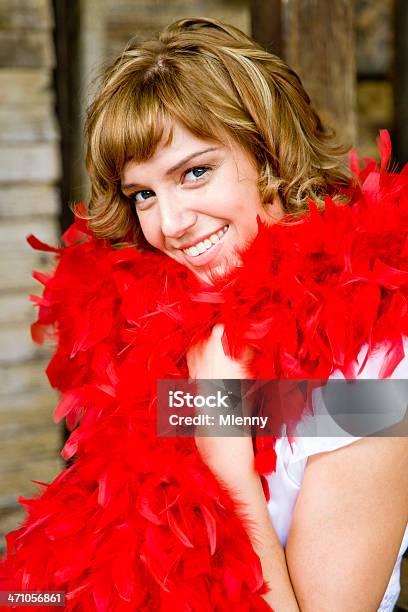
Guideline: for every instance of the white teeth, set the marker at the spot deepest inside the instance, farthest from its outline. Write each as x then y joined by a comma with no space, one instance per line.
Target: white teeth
206,244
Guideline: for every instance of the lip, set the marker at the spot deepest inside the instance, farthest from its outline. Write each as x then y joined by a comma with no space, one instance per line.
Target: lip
206,257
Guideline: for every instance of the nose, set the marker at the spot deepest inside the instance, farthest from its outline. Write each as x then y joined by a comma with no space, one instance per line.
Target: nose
176,217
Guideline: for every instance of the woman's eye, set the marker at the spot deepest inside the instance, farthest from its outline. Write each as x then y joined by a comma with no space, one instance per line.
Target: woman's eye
142,196
196,173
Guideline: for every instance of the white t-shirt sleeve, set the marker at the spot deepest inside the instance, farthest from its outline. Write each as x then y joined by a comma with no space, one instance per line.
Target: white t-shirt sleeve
305,446
285,483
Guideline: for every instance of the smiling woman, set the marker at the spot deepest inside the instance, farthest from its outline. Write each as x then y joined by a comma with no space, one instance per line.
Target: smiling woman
224,239
201,76
199,216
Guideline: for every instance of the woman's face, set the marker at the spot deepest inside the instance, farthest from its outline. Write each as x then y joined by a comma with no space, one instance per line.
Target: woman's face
197,201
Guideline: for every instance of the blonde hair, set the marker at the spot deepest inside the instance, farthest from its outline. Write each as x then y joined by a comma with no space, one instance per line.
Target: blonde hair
212,79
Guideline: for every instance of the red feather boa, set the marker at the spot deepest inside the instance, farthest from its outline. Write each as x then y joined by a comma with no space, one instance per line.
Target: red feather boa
138,522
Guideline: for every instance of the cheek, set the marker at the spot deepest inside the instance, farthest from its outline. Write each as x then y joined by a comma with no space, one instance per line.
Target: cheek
150,229
248,198
247,207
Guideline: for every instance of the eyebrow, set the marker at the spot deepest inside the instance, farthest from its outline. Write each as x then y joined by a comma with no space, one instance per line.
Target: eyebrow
177,166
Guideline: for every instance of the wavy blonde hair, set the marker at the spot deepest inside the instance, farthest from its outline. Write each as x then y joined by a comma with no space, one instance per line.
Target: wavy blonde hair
214,80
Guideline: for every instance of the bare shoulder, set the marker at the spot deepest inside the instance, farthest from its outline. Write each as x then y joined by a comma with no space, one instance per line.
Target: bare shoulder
386,456
348,525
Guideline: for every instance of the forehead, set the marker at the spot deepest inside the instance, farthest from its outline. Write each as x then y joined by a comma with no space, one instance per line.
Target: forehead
177,139
177,143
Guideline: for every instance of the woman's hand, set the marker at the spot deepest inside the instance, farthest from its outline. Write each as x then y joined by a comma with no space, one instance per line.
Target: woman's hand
231,459
207,359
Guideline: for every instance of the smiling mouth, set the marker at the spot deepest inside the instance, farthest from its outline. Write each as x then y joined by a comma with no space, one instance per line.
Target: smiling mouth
207,244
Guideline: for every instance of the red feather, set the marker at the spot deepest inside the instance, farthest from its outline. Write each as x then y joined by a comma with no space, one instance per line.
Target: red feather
139,522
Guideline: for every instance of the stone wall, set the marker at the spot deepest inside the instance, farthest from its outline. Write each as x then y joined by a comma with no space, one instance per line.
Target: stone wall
29,170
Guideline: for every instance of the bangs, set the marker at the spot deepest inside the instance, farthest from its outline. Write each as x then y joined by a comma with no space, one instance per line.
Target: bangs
217,84
137,118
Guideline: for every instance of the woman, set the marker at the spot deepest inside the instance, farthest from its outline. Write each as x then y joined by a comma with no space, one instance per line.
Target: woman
199,144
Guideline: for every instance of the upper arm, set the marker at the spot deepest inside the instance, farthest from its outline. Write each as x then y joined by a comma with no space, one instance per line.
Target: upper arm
348,525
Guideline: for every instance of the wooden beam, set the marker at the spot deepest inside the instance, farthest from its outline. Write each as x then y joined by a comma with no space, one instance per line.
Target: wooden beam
67,26
319,45
266,21
401,82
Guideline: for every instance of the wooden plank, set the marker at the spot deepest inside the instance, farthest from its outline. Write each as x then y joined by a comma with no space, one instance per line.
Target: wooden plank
16,271
31,124
146,18
16,344
18,259
267,24
24,163
26,49
319,45
44,467
30,446
374,112
26,440
129,18
401,81
30,401
24,377
32,14
38,412
16,308
69,28
373,27
14,233
11,517
28,201
25,86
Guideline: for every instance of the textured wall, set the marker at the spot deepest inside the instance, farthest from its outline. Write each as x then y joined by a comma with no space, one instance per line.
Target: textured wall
374,39
29,170
29,203
144,18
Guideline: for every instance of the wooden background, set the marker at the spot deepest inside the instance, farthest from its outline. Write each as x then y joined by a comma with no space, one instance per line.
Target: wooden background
344,51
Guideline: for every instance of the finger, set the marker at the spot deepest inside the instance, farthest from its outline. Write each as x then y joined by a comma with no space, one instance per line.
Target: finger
218,330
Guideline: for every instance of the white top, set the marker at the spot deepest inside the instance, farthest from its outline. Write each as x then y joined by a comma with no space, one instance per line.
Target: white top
286,481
